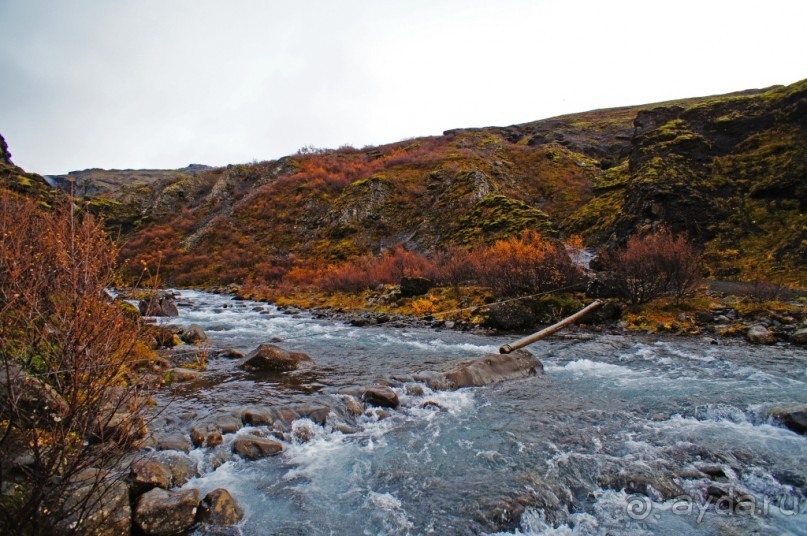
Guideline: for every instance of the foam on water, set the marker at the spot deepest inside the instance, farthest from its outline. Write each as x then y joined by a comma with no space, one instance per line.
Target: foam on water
394,517
610,405
733,432
587,367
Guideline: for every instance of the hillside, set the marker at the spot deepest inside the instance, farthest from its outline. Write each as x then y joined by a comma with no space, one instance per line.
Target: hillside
118,184
728,170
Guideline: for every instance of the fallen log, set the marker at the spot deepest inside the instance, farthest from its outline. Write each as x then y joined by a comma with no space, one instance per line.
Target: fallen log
521,343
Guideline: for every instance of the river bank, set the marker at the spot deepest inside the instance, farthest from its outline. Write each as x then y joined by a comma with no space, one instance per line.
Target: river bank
719,310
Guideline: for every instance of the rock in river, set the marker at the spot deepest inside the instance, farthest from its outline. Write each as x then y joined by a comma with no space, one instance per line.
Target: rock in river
252,447
792,417
381,396
493,368
799,337
760,335
149,474
269,357
194,334
172,441
158,304
180,374
219,508
160,512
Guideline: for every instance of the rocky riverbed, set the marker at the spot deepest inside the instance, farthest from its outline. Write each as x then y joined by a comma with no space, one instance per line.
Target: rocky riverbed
364,438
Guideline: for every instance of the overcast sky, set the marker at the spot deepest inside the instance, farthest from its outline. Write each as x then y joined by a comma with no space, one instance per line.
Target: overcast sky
166,83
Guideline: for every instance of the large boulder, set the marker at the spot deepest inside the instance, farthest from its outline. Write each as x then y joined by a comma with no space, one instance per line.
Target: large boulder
97,506
181,374
760,335
251,447
158,304
160,512
29,401
415,286
269,357
381,396
792,417
183,467
172,441
493,368
219,508
148,474
194,334
799,337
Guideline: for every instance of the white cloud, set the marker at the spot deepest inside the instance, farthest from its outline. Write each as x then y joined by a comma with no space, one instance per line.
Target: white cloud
163,84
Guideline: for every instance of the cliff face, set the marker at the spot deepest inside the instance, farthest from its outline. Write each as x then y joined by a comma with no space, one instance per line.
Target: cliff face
729,170
5,156
16,180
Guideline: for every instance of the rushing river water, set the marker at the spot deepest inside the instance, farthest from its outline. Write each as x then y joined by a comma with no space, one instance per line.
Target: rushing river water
603,443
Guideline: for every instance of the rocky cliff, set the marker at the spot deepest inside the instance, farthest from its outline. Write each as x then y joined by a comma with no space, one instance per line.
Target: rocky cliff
15,179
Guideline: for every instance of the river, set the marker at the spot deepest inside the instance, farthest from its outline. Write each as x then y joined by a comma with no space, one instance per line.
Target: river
615,438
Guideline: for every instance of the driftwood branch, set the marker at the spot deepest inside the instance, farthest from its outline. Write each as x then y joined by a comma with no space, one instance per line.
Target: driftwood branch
521,343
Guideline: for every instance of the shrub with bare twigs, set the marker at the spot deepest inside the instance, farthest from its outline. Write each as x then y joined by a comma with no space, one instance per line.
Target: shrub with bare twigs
70,400
654,265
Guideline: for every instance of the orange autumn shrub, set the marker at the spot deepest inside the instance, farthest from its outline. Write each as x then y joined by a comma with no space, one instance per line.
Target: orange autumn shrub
69,396
524,265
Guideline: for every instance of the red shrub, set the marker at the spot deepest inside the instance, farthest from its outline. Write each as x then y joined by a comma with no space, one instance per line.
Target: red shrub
368,272
453,266
653,265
